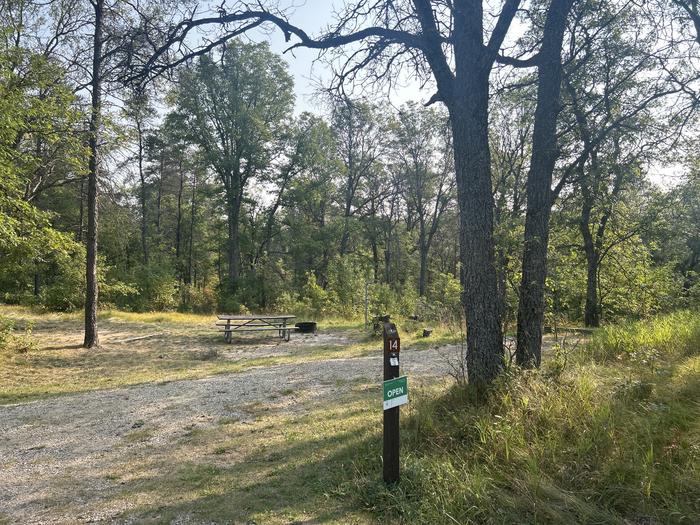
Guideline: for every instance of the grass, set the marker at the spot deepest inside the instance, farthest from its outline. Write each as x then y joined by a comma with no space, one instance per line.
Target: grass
607,438
157,347
609,433
275,468
613,438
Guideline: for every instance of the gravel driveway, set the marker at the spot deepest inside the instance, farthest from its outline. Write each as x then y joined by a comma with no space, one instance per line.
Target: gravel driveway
46,445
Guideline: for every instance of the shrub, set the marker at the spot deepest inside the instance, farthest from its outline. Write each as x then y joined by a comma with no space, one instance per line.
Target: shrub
444,298
197,300
6,326
65,291
157,288
19,343
230,304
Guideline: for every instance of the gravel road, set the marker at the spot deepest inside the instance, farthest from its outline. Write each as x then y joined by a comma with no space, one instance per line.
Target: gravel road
51,449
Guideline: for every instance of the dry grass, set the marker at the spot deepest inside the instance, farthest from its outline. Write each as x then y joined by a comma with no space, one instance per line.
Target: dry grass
158,347
274,467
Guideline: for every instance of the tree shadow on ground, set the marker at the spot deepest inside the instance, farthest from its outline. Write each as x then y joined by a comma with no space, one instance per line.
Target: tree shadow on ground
288,481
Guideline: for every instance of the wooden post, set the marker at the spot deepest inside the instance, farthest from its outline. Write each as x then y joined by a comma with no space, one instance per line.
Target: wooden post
392,347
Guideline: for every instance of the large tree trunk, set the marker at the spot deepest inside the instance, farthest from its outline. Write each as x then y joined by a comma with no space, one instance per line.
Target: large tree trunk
91,292
469,118
538,187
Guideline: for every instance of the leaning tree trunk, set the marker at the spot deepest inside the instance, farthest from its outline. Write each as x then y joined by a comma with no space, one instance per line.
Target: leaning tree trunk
91,291
538,187
469,118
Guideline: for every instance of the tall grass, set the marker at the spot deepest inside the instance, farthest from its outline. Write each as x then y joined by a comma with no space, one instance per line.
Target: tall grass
609,440
666,335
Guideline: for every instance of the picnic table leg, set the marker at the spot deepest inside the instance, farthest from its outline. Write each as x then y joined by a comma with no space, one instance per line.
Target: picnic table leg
227,333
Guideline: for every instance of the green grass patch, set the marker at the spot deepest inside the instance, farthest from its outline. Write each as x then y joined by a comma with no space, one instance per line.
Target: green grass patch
140,435
667,335
608,440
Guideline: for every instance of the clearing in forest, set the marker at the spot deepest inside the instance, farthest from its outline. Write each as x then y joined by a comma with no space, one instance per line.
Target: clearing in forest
167,421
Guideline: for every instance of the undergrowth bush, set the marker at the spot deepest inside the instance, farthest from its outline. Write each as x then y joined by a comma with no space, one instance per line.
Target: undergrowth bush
197,300
17,343
606,440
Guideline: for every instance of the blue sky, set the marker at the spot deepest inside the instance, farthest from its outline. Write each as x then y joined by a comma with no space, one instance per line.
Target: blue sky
313,16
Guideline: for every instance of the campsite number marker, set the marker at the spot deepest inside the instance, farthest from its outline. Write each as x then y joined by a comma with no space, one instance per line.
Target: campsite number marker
395,395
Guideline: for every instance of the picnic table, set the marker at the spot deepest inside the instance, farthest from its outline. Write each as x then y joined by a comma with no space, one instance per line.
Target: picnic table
254,323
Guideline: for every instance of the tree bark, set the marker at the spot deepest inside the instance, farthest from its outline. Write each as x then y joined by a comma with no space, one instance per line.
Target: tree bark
160,191
193,209
142,193
81,212
538,188
469,117
591,317
345,237
423,272
178,224
234,208
91,290
591,313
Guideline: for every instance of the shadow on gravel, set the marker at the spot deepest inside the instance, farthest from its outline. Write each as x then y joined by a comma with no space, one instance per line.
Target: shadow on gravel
295,481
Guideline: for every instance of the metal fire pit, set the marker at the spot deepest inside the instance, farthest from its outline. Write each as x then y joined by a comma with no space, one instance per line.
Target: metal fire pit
306,327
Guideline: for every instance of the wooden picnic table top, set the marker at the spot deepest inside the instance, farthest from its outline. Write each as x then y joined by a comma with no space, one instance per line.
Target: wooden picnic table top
228,317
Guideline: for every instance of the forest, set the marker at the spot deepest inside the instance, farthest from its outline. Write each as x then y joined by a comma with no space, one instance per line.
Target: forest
216,196
544,175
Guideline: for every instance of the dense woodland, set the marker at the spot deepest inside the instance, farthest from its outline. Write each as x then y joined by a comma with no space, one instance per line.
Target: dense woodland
213,194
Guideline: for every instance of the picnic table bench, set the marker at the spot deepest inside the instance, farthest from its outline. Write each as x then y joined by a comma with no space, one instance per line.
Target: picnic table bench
254,323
